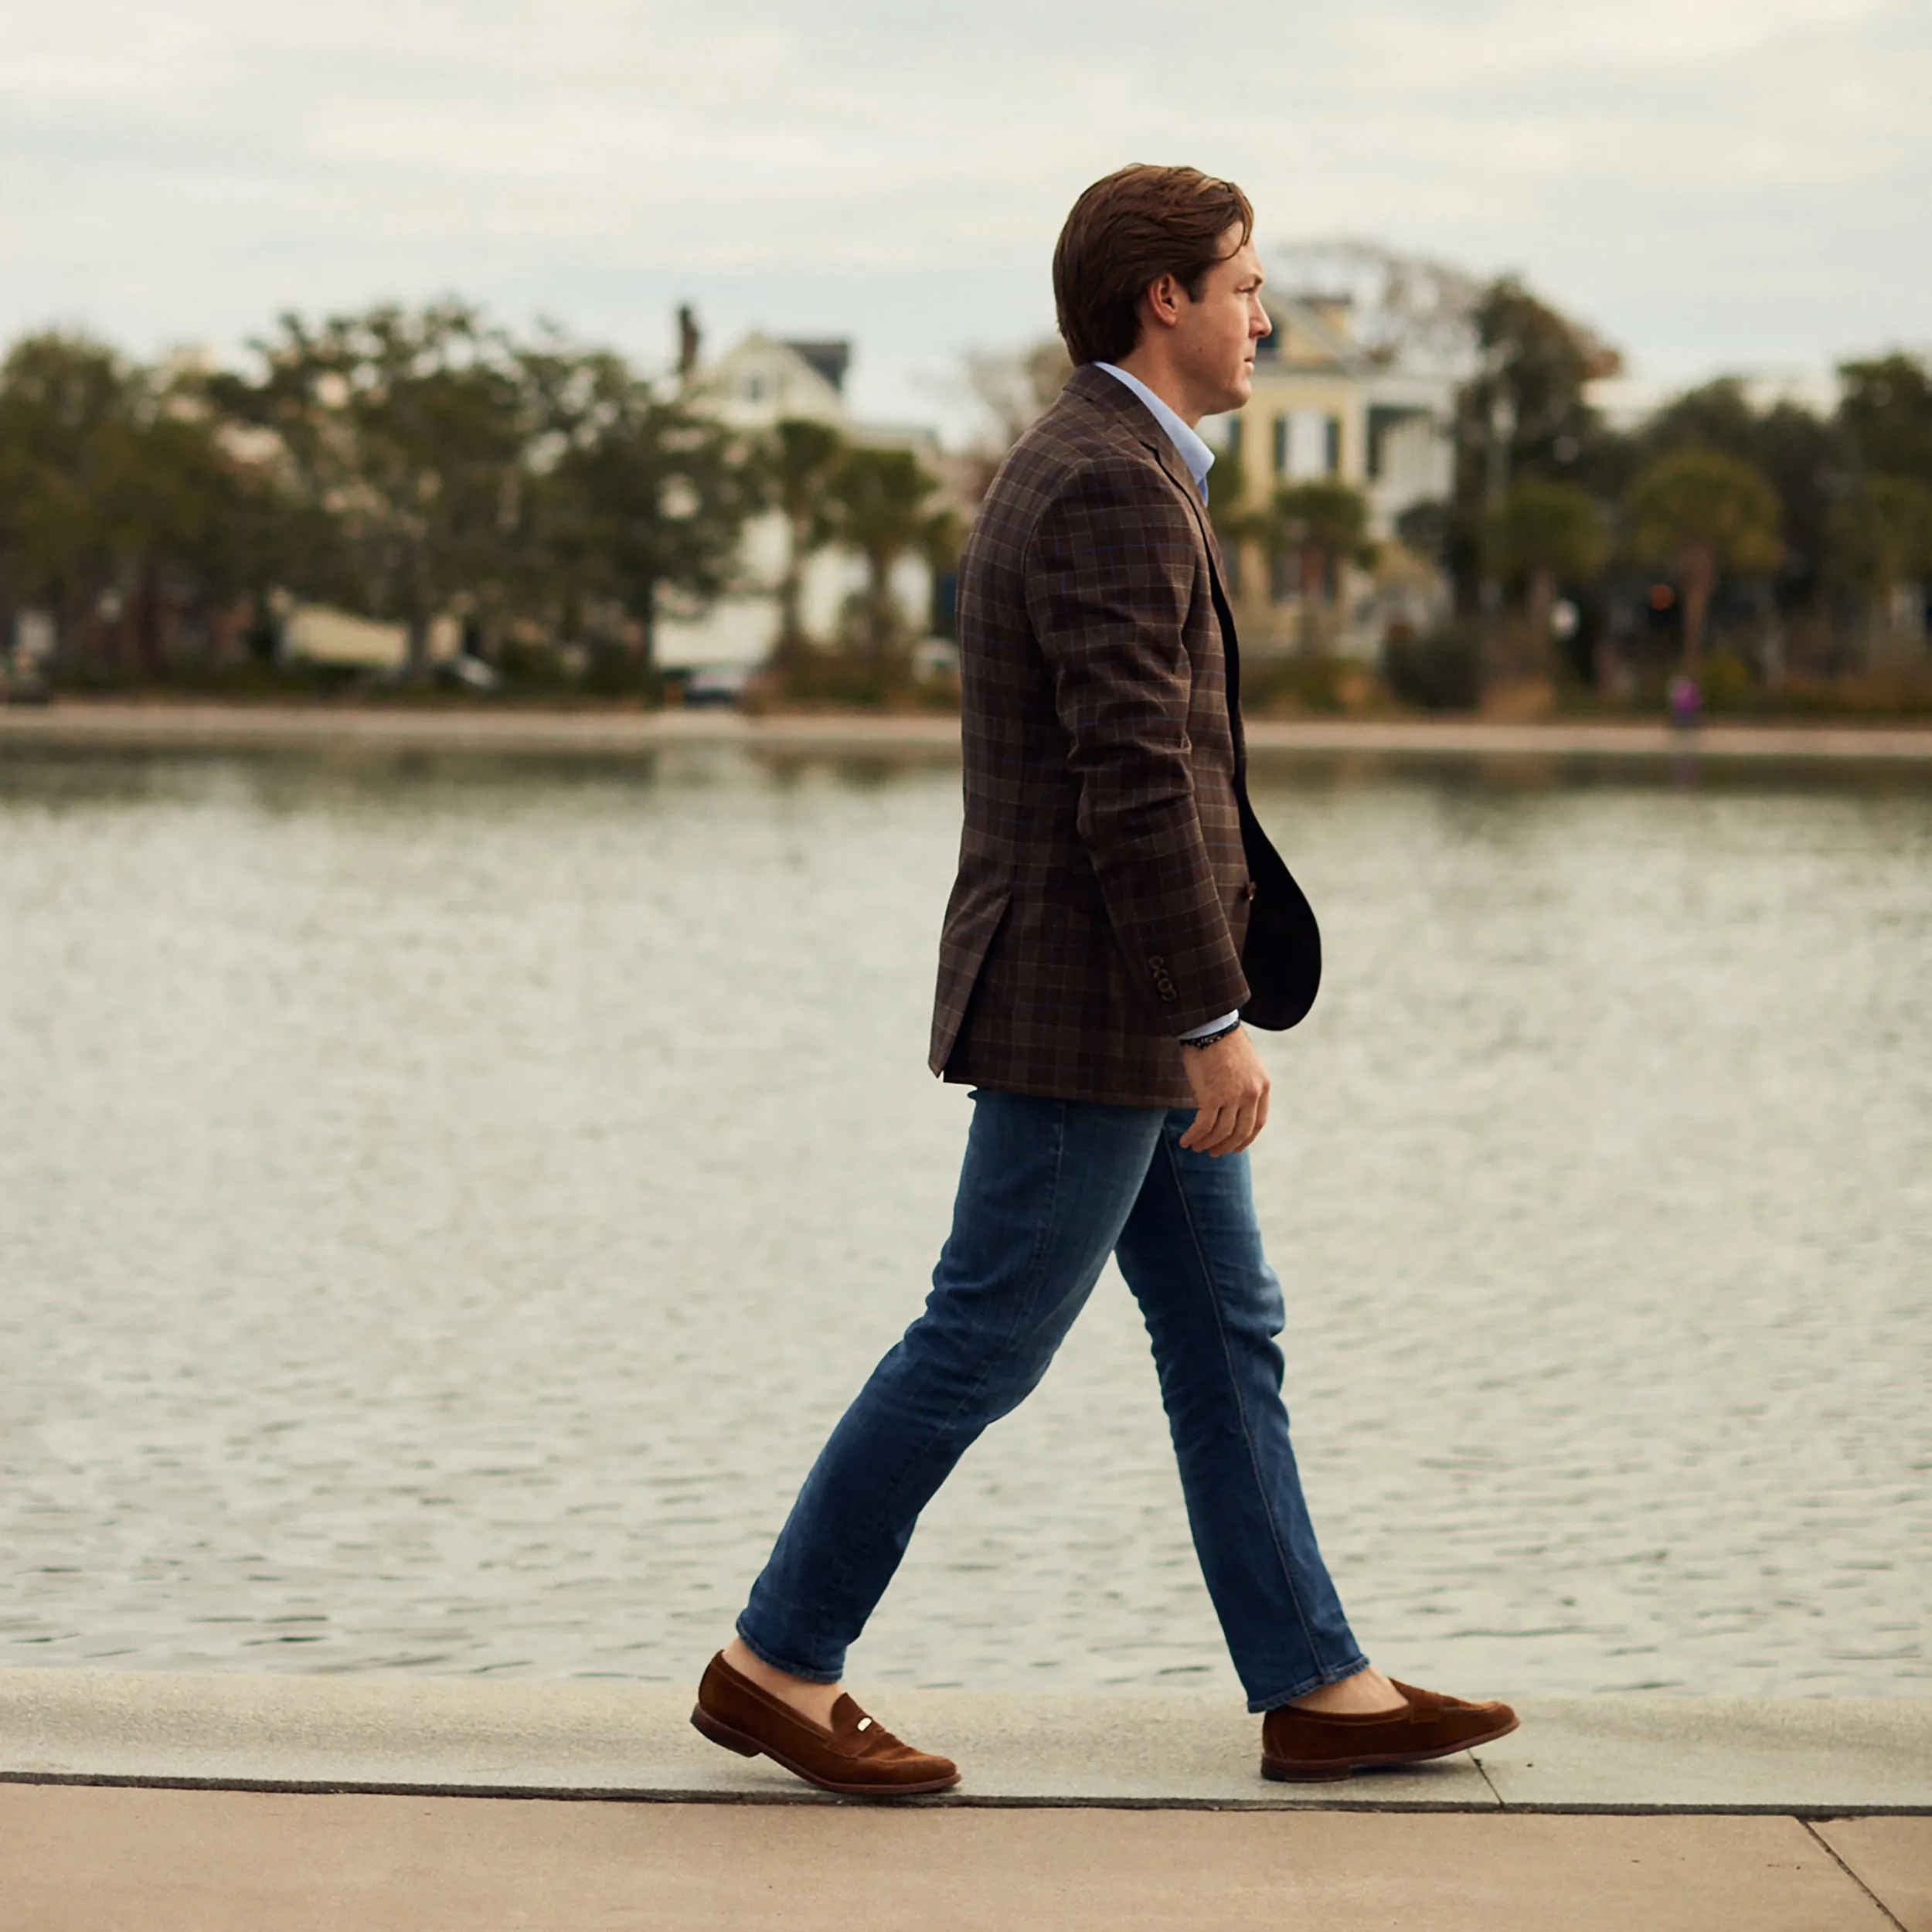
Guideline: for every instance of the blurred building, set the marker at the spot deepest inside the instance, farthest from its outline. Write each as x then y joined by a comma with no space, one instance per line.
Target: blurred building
755,386
1324,406
318,634
760,381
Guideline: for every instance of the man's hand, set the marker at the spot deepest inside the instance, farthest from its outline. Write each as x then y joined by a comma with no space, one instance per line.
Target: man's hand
1231,1091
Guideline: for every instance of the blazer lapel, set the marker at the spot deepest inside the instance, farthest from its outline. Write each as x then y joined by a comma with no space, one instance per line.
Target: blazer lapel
1176,473
1155,441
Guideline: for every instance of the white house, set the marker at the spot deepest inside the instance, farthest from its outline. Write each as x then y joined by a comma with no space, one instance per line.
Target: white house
755,386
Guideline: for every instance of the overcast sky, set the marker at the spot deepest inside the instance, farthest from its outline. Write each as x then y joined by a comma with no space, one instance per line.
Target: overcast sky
1712,183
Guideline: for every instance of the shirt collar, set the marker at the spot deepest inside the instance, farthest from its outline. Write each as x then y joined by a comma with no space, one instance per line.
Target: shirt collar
1193,451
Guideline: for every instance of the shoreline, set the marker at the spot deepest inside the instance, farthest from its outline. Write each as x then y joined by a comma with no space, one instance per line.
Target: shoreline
172,724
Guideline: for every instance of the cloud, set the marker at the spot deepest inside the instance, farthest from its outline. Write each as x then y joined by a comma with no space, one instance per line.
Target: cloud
1720,181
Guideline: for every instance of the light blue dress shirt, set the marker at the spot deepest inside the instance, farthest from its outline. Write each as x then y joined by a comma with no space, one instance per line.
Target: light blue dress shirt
1193,452
1199,460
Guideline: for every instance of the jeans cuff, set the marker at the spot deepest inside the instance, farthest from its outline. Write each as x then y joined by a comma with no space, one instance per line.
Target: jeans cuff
766,1656
1275,1699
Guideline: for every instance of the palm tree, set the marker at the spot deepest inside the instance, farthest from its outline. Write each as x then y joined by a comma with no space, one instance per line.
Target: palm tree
876,500
942,536
1322,523
1701,512
798,461
1883,539
1546,533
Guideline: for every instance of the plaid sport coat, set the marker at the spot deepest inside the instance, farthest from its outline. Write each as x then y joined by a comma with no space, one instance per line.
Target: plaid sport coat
1115,889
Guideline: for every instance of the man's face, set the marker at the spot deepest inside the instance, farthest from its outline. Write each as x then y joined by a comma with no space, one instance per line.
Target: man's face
1214,340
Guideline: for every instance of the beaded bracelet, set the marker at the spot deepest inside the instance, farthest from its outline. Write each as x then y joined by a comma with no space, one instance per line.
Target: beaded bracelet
1208,1040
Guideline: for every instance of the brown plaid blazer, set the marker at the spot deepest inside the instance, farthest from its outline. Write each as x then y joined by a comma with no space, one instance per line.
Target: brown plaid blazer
1114,887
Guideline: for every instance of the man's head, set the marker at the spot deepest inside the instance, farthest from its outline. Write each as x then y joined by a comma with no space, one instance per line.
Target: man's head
1157,265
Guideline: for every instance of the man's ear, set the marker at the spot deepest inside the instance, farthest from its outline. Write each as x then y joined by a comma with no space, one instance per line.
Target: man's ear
1161,299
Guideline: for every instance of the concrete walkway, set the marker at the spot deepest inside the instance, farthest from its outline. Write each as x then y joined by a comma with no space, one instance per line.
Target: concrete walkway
1159,1749
190,724
78,1859
156,1802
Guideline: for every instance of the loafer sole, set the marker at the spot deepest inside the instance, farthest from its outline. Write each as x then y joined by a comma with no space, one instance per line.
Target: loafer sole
746,1746
1334,1771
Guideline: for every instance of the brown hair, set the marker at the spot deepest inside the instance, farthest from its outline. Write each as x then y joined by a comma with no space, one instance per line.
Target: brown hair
1126,232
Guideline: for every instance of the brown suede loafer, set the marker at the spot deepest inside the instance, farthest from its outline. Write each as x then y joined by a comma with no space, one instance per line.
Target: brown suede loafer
858,1757
1320,1745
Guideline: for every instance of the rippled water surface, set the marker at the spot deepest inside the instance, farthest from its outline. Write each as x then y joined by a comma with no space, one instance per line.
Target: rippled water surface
444,1202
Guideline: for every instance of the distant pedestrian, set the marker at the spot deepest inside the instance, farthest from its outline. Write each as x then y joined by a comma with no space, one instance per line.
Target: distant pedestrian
1119,920
1685,700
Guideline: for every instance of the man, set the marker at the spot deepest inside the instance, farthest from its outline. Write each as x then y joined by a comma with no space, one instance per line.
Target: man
1118,912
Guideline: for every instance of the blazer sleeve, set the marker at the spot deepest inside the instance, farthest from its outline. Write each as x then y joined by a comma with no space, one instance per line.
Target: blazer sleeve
1109,576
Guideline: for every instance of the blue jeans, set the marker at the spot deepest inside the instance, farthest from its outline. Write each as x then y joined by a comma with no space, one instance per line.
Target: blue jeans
1049,1190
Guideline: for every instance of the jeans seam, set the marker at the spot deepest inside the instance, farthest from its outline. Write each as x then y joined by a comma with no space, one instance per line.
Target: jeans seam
1241,1405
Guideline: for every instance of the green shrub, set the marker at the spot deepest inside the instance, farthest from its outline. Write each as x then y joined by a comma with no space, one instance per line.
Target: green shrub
1441,671
1726,682
533,669
853,675
1292,684
617,671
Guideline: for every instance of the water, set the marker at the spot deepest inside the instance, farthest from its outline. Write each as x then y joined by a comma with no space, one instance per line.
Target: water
444,1202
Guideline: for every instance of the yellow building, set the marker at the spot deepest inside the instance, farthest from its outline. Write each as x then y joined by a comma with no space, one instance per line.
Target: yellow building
1324,406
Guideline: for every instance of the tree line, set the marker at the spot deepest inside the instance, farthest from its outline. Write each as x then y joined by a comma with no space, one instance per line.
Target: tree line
1793,537
1796,530
405,464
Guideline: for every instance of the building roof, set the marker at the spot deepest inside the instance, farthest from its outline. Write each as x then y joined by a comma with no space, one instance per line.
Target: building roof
758,381
1312,331
831,359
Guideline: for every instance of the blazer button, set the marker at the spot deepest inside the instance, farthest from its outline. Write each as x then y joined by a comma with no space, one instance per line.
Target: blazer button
1250,889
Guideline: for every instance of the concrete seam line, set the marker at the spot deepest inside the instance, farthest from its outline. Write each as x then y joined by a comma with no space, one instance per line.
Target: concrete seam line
612,1794
1891,1918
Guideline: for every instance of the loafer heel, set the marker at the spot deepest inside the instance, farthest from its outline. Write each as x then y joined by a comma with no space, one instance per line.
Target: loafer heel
702,1720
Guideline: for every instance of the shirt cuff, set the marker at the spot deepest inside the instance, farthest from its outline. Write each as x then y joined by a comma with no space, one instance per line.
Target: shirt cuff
1212,1026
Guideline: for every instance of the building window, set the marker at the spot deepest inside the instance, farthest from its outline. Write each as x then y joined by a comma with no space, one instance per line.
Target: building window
1306,440
1308,443
1402,443
1382,419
